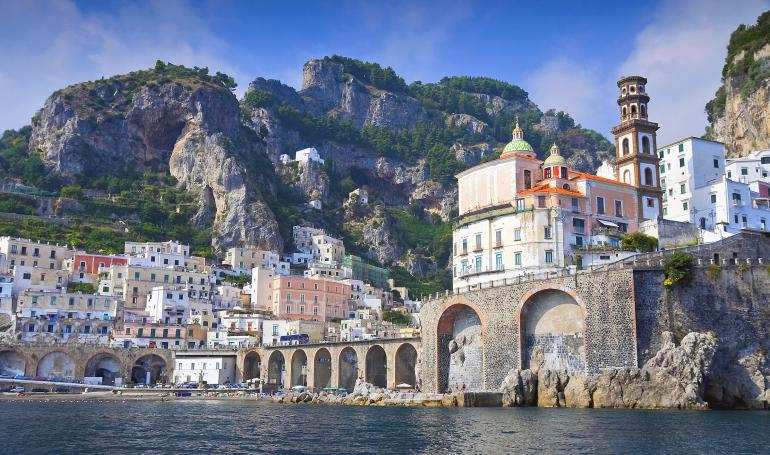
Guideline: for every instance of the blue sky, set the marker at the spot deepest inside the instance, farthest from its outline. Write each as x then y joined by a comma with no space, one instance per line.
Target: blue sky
566,54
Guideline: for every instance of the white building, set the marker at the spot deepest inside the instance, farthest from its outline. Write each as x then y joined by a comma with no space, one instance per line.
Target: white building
243,260
752,168
309,154
64,316
211,369
699,189
303,237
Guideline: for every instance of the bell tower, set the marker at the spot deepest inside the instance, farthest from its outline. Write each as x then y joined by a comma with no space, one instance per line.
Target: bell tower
636,158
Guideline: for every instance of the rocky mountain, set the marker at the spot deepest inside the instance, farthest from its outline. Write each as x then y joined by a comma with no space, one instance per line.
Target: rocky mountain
102,142
739,114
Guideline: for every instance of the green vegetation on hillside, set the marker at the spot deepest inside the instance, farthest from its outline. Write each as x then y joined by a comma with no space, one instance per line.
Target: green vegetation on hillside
749,73
371,73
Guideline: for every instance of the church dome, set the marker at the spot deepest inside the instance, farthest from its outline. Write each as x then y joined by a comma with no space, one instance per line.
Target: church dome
554,158
518,144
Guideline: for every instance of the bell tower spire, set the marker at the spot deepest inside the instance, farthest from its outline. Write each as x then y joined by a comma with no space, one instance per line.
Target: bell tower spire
636,154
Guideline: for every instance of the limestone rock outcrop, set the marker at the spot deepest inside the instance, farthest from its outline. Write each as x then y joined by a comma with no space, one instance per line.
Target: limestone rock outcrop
745,124
674,378
346,98
190,129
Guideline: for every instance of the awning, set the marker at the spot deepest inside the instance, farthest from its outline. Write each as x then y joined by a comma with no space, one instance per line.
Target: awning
607,223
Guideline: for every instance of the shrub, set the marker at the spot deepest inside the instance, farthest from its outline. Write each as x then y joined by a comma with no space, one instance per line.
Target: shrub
639,241
85,288
742,268
679,267
714,271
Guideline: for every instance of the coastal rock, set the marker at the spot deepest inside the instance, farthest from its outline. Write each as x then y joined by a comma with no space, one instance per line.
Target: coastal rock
468,123
520,388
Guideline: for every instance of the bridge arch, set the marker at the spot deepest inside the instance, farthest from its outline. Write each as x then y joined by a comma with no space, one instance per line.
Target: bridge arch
299,368
104,365
276,367
322,369
552,330
149,369
13,362
405,364
347,369
57,364
252,364
461,356
377,366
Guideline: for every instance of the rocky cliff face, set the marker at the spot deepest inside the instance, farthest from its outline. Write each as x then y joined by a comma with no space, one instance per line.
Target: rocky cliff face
674,378
191,129
344,97
744,125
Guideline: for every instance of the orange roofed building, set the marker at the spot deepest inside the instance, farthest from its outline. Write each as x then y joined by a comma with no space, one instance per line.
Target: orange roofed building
519,214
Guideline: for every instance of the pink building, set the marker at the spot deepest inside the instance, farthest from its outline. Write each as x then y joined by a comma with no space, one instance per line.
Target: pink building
318,299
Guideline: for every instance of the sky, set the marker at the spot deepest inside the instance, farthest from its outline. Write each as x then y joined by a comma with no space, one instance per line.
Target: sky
567,54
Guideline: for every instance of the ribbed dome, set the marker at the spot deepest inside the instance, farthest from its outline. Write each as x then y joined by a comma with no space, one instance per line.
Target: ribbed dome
554,157
518,144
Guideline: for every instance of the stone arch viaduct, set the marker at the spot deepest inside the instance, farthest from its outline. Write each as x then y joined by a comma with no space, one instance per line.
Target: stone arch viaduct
385,363
76,361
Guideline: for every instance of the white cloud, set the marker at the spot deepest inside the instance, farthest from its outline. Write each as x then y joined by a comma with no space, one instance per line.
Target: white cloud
566,85
681,52
47,45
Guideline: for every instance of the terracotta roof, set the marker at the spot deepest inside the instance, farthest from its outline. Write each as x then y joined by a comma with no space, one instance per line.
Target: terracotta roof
550,189
601,179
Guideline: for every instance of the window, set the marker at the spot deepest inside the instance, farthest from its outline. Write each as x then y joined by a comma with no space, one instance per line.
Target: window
648,180
744,171
527,180
682,188
681,162
140,332
578,225
662,168
136,275
517,235
619,208
465,246
703,223
625,146
520,204
547,173
498,237
685,205
660,153
547,232
650,202
275,329
478,242
578,240
736,219
729,174
498,261
288,308
478,264
575,205
549,257
681,147
716,163
645,144
517,258
600,205
713,198
762,223
541,202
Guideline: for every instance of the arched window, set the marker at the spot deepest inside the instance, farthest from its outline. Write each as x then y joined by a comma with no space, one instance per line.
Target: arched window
527,180
645,144
633,109
566,186
547,174
632,89
648,177
556,173
641,89
625,111
623,92
643,107
625,146
627,176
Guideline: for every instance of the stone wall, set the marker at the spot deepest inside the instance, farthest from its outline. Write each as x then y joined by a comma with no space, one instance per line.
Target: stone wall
606,299
731,301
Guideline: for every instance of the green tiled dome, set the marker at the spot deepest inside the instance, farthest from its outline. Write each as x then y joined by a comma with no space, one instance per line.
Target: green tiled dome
518,145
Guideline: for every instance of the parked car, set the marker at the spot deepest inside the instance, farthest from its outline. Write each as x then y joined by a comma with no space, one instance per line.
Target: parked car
17,389
21,377
6,376
39,378
40,390
62,390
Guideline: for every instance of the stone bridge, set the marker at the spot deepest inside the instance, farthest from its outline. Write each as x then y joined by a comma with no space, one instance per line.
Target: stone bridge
75,361
584,321
385,363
